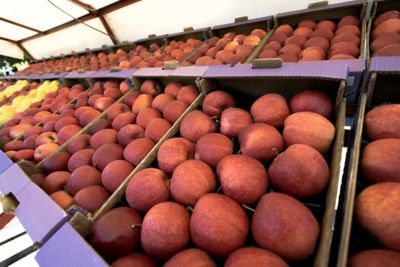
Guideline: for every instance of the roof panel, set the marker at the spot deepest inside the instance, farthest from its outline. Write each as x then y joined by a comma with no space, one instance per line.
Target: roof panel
40,15
10,31
76,38
142,18
97,4
10,50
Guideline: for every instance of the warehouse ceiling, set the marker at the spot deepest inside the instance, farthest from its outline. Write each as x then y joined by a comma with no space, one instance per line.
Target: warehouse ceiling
26,26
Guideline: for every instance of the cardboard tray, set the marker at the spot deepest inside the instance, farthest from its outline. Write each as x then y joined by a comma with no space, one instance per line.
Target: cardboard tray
384,77
237,83
243,25
5,163
378,7
68,82
334,12
114,73
67,248
119,193
152,38
189,32
15,183
288,81
84,130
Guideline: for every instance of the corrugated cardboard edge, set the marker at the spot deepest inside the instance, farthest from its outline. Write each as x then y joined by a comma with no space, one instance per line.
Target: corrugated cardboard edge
352,175
234,24
68,248
385,65
332,198
110,74
320,9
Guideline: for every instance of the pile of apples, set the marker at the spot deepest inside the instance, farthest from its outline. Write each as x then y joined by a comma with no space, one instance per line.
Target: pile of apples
232,48
315,41
175,50
207,199
377,206
41,132
90,62
385,36
94,164
22,96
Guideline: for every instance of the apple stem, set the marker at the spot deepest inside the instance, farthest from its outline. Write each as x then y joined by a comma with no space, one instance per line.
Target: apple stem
276,151
248,208
219,189
135,225
239,152
189,208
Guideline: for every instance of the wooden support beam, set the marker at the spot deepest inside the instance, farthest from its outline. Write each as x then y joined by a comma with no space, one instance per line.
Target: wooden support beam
19,24
8,40
108,29
93,11
22,47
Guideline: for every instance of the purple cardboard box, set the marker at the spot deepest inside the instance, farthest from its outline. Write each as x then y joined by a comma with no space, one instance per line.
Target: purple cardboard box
79,75
114,74
385,64
5,162
244,27
315,69
201,34
13,178
36,211
67,248
54,76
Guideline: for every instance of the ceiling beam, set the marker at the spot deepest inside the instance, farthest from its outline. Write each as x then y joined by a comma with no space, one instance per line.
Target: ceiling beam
100,12
22,47
93,11
19,24
108,29
8,40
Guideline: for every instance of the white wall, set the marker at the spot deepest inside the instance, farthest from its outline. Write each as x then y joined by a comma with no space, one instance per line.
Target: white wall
160,17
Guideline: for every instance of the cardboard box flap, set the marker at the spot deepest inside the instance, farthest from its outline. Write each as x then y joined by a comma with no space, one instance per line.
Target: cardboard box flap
13,178
54,76
68,248
322,8
38,213
355,65
5,162
146,41
315,69
32,77
79,75
154,72
190,71
385,65
201,33
114,74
